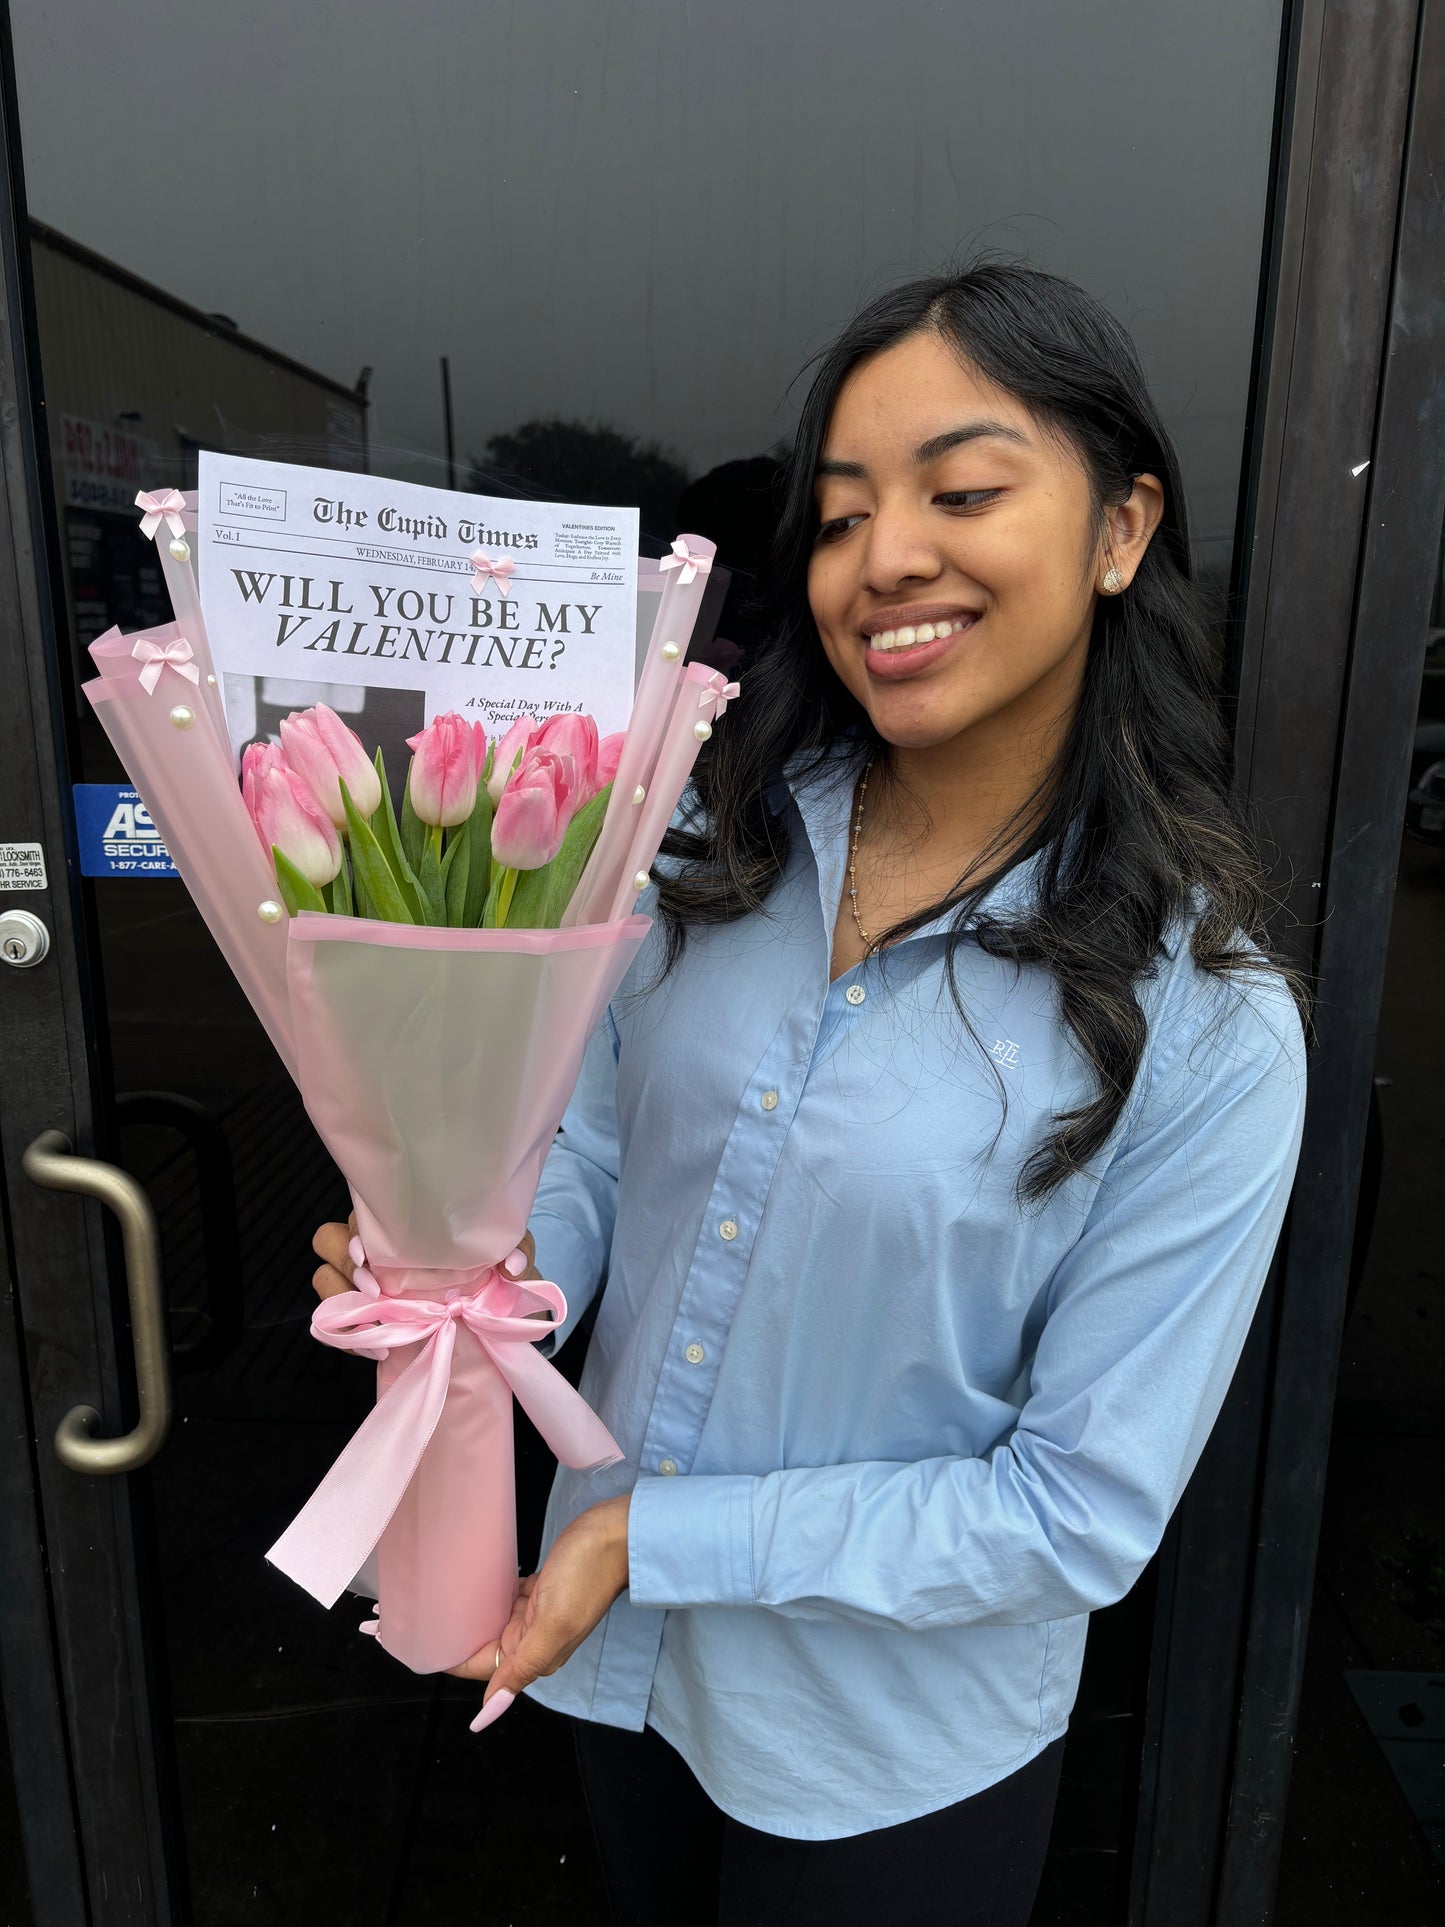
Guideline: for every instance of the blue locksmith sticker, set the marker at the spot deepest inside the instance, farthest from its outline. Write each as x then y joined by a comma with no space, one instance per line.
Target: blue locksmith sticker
116,835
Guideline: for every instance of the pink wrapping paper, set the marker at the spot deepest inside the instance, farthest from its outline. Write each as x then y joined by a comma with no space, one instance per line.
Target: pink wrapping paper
606,878
436,1065
446,1566
186,778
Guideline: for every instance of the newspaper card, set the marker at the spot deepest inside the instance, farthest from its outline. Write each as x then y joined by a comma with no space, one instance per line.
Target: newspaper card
393,602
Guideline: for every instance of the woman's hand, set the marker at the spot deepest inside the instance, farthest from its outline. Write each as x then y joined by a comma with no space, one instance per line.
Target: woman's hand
335,1272
556,1608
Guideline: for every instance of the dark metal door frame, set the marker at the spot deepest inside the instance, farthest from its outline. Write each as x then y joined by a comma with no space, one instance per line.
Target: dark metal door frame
73,1659
1397,554
1345,479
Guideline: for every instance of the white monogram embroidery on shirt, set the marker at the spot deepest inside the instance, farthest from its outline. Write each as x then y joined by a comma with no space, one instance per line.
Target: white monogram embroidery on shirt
1005,1051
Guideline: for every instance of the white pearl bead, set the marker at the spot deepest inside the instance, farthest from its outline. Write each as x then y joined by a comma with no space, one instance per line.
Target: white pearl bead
670,652
212,681
183,716
702,731
270,911
181,549
641,880
638,794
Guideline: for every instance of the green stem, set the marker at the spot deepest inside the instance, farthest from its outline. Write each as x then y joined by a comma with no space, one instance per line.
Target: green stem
434,837
504,896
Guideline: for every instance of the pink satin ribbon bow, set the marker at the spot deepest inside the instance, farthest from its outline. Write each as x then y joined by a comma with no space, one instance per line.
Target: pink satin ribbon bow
156,656
682,557
328,1541
499,574
716,697
167,505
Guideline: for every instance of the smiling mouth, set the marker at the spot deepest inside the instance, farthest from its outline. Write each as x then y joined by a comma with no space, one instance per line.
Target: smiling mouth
909,637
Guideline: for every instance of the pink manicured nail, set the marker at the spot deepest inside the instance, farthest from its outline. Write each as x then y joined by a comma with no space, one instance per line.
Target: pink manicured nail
516,1264
493,1710
356,1252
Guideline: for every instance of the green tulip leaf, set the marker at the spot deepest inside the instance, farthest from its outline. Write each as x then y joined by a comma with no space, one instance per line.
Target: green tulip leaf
565,870
341,903
413,830
429,882
479,872
529,900
456,868
373,874
298,893
384,827
499,896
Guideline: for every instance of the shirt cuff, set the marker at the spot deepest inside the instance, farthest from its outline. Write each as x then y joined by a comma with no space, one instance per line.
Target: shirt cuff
563,1257
690,1542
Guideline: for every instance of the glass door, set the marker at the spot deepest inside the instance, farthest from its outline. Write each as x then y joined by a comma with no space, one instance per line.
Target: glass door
576,252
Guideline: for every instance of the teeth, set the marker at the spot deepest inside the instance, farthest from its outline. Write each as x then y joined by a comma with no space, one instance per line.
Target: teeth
905,638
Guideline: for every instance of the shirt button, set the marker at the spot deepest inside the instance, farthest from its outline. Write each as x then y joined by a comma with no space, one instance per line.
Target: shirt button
855,993
667,1467
694,1354
770,1100
728,1229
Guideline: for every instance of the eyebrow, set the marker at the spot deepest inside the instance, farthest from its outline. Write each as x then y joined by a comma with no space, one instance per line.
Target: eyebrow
935,446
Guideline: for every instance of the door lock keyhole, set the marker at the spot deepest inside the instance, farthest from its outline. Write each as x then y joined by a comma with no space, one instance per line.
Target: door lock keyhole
24,939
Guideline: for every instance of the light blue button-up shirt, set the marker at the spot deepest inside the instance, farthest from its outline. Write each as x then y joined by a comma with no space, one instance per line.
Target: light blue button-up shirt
892,1437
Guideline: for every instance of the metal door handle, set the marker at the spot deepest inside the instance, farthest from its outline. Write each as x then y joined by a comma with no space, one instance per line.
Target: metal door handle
50,1162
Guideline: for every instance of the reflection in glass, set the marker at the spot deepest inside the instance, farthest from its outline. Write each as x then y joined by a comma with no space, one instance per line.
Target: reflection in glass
261,229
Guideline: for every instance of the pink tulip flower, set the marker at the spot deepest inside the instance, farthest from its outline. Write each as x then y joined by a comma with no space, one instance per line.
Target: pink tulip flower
517,738
536,807
324,753
609,754
574,736
287,815
447,762
256,758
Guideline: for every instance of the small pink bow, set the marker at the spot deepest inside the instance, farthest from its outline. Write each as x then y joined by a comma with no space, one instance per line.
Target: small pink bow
156,656
167,505
498,574
327,1541
718,695
683,558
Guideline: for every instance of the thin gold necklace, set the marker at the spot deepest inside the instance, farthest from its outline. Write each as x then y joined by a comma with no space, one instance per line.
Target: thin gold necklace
853,854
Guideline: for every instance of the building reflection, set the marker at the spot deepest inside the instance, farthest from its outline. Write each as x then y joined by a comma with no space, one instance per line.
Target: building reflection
136,383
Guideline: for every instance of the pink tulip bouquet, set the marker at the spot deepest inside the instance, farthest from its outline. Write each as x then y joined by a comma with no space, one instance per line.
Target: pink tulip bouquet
430,978
491,836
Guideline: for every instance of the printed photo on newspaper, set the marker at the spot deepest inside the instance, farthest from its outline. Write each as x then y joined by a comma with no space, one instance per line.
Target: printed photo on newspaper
392,602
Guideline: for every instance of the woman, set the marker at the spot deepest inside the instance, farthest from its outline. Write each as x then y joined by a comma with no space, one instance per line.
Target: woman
933,1157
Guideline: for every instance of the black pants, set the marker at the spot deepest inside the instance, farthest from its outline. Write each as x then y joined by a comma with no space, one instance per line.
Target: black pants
673,1859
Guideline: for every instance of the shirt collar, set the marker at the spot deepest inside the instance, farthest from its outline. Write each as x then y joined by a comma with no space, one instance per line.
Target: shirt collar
823,797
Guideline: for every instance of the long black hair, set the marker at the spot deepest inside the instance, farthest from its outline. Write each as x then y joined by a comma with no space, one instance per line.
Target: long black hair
1137,829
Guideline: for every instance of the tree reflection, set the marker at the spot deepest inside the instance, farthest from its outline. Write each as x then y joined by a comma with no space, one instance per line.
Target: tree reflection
570,461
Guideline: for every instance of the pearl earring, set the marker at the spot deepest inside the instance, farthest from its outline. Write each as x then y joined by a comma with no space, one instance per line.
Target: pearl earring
1113,582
